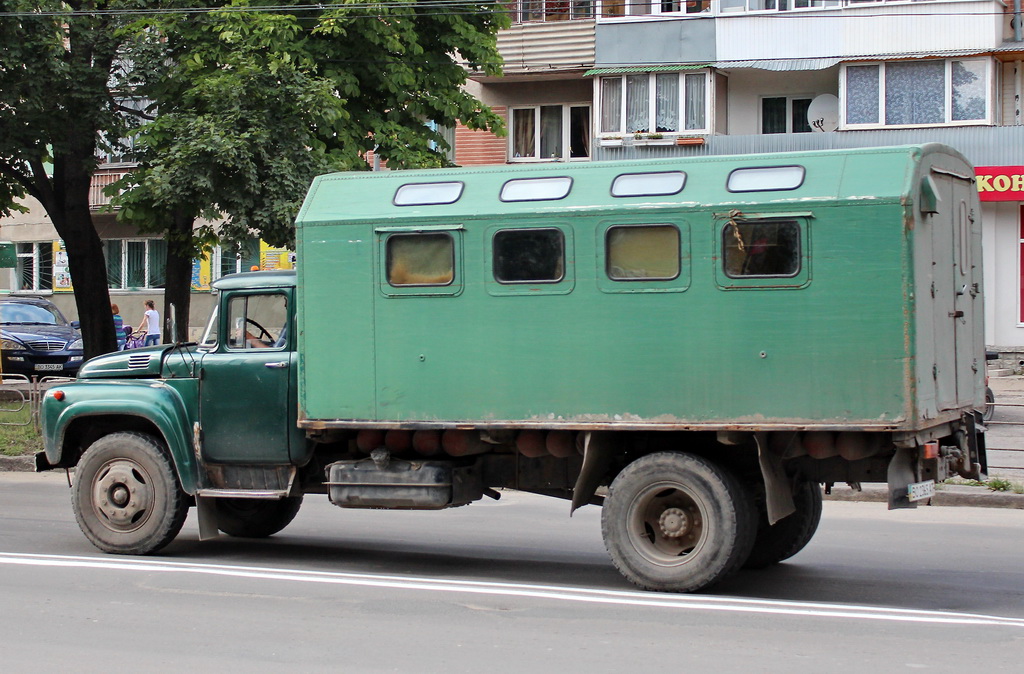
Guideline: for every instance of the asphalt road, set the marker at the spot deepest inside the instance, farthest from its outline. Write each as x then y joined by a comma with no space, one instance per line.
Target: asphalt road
504,586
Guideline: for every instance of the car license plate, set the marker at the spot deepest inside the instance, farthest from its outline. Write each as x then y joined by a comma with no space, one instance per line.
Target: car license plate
49,366
920,490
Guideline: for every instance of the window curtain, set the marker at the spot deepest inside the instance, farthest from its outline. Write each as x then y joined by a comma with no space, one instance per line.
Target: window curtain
914,92
156,259
611,104
638,103
551,131
579,132
696,105
862,89
523,133
112,251
968,90
666,116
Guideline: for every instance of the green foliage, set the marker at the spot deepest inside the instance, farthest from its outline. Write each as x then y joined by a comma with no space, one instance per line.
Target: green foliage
18,435
253,104
999,484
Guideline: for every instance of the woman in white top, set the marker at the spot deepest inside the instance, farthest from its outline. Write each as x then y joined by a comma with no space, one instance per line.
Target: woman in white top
152,322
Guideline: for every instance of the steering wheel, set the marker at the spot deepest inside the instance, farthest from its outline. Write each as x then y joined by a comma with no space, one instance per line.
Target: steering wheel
263,335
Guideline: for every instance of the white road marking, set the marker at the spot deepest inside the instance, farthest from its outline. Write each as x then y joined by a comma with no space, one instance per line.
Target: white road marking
549,592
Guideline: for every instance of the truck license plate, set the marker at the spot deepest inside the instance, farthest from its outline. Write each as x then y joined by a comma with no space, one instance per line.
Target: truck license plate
920,490
49,366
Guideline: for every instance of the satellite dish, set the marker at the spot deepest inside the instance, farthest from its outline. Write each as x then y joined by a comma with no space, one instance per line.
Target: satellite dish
823,113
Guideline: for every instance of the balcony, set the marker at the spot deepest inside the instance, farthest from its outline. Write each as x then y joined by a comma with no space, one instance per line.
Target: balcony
100,181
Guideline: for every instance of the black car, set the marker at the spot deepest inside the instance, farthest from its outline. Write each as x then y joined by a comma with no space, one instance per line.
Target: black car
36,339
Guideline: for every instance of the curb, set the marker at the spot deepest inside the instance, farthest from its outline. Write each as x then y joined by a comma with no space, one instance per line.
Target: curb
945,495
21,464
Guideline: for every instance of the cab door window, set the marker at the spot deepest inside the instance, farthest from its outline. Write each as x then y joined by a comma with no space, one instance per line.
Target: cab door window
258,322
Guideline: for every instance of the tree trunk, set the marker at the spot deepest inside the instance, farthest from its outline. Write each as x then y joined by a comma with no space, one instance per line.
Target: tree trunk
178,289
69,211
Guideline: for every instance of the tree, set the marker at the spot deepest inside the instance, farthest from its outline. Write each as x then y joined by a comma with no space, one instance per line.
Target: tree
243,105
253,104
57,106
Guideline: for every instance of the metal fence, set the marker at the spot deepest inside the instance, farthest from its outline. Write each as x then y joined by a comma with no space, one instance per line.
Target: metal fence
21,397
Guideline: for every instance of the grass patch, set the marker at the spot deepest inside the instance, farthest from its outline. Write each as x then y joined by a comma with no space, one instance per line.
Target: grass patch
18,436
992,484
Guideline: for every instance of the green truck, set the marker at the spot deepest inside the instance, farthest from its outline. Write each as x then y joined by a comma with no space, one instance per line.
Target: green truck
695,344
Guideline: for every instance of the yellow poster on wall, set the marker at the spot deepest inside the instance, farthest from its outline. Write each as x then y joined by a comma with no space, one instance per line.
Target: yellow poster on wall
276,258
61,270
202,273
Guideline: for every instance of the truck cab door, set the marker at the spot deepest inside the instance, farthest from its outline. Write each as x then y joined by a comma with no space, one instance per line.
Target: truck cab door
247,383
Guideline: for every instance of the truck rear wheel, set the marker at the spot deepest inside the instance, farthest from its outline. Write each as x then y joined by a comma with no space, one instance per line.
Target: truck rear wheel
255,518
677,522
789,535
126,495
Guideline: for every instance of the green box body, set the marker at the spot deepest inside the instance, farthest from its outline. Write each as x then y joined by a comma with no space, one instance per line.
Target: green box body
880,329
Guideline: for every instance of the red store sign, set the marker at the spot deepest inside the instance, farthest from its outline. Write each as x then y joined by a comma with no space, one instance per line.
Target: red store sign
1000,183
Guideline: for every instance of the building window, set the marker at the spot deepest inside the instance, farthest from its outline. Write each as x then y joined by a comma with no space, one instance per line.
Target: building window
238,258
34,268
781,5
916,93
135,263
613,8
785,114
532,11
550,132
654,103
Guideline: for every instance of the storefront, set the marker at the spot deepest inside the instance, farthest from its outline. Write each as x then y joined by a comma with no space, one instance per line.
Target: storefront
1001,189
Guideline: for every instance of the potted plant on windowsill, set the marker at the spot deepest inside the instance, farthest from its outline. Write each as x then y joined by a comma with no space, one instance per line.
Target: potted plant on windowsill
610,141
659,139
690,140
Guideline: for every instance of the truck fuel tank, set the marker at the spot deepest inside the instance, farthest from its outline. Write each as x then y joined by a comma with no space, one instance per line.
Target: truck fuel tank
383,482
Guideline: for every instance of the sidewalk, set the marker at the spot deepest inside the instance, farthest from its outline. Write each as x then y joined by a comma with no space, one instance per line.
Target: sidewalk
945,495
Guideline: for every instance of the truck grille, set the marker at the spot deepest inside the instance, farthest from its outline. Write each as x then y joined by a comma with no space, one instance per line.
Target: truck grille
47,345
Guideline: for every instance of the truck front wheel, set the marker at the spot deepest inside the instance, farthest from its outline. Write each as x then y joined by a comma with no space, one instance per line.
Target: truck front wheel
126,495
255,518
677,522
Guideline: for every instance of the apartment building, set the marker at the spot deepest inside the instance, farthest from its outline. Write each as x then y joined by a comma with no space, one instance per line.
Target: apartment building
671,77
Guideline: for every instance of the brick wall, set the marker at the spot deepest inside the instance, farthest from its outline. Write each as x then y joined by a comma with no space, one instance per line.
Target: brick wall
479,148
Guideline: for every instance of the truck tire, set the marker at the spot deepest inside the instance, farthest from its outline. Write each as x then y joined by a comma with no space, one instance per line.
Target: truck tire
676,522
255,518
126,496
788,536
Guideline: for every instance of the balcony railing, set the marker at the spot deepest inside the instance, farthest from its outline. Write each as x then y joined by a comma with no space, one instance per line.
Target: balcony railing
101,181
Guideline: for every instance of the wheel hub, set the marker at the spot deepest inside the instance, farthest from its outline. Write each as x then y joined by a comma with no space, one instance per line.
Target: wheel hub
675,522
122,495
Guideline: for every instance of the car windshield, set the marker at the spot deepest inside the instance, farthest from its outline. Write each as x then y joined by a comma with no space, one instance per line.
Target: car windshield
16,312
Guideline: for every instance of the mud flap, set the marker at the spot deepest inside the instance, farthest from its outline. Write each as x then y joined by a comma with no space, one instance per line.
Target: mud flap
207,515
597,458
778,492
901,474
